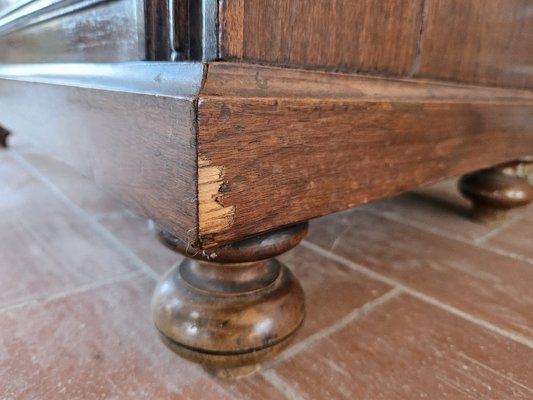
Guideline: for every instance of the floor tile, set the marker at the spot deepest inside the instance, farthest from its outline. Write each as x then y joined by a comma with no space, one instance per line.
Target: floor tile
516,238
490,286
79,189
136,234
43,246
101,345
439,207
130,229
332,290
406,349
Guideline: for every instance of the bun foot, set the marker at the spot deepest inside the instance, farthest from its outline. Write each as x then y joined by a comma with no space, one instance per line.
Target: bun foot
233,307
495,192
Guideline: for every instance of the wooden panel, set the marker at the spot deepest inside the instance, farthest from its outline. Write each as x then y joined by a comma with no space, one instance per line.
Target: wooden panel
137,141
362,35
158,37
272,154
482,41
72,31
168,32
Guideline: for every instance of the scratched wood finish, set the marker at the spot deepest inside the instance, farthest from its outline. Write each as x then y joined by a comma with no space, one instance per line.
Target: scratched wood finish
273,157
108,31
363,35
482,41
141,147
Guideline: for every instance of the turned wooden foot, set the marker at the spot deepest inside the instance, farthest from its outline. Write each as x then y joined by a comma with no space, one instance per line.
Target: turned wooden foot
231,307
4,133
494,192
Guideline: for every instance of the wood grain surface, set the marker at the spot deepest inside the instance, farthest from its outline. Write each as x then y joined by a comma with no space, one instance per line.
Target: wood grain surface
229,293
362,35
139,145
481,41
478,41
284,155
170,30
258,148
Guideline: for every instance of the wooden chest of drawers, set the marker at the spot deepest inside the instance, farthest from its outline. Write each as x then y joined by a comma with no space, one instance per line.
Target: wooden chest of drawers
232,122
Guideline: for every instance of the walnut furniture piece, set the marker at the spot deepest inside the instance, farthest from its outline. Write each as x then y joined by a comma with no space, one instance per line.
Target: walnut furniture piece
231,123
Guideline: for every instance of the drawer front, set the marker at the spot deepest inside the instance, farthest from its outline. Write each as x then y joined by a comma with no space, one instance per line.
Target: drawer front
71,31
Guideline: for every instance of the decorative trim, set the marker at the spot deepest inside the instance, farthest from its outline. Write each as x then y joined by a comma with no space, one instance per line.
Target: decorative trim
248,80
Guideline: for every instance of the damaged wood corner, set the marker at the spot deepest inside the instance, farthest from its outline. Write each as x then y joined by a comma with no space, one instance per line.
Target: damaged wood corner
213,216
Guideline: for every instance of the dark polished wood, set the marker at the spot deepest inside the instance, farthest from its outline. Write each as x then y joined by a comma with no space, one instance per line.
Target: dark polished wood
342,35
246,149
160,43
494,192
129,127
316,143
171,30
107,30
232,307
230,158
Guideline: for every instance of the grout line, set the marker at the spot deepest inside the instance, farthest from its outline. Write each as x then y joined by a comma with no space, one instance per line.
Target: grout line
450,236
353,316
421,296
481,240
475,320
419,39
45,298
420,226
508,254
78,211
279,383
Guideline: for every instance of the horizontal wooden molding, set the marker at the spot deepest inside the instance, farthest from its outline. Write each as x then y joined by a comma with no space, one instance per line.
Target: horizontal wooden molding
247,80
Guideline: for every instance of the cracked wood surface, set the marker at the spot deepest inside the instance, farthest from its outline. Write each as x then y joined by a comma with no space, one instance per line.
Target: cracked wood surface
213,217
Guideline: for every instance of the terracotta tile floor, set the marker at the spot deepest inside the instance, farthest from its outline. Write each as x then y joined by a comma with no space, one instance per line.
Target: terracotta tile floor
406,299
